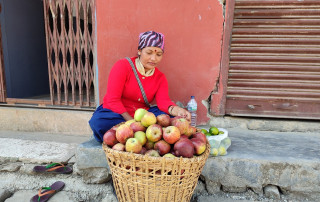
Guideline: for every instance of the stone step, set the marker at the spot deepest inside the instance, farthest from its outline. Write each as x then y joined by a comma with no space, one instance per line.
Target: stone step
36,147
288,162
256,160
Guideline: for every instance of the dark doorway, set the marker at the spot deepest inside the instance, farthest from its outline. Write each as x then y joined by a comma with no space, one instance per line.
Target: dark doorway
24,48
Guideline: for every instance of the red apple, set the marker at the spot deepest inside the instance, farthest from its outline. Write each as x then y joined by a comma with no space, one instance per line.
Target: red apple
171,134
139,113
184,148
123,133
162,147
119,147
152,152
115,127
163,120
199,145
190,131
173,120
182,124
184,137
137,126
148,119
141,136
200,136
143,150
154,133
133,145
109,138
149,145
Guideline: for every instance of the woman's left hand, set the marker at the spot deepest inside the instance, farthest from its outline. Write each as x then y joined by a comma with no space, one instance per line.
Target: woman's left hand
178,111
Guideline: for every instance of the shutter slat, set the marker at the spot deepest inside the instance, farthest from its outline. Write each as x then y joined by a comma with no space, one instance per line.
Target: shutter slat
273,68
277,13
274,65
275,31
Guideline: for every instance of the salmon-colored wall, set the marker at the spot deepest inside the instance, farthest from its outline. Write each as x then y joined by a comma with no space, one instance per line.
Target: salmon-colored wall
193,32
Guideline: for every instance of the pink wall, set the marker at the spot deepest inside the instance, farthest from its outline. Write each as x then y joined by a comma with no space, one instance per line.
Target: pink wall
193,36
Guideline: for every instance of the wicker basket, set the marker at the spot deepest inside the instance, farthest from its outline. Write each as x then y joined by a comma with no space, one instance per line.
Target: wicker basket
144,178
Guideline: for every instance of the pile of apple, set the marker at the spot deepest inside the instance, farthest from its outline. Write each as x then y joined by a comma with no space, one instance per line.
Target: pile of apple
157,136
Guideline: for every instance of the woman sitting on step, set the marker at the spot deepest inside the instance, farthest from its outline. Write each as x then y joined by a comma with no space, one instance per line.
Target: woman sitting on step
124,96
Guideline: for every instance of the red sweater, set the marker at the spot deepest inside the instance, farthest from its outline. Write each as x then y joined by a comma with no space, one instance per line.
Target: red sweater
123,92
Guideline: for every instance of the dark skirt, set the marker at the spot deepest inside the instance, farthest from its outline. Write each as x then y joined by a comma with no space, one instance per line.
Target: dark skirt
104,119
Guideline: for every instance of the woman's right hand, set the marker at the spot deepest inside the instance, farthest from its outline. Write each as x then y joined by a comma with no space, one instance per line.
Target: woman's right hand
178,111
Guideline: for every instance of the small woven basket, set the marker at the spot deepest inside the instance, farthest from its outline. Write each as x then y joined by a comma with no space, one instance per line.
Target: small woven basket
139,178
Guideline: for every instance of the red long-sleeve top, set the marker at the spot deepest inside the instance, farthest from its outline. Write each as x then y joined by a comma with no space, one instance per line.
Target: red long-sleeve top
123,92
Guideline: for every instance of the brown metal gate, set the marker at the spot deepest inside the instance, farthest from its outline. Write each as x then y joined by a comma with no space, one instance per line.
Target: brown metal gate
69,26
274,68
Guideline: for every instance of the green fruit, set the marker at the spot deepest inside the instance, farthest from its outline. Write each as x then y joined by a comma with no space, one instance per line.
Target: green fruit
207,134
204,131
214,131
221,132
214,152
222,151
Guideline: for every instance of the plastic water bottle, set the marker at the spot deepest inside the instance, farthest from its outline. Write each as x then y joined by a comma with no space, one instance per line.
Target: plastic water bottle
192,108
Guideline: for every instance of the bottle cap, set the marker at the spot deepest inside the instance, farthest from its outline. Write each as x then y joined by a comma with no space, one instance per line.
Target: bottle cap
192,96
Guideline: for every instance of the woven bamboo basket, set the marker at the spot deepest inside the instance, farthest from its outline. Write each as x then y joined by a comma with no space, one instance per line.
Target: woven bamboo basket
140,178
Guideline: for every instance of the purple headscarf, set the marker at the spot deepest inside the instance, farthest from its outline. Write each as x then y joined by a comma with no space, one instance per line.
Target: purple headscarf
151,38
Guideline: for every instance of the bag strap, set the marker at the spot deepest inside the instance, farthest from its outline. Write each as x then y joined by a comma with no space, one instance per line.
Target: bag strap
139,82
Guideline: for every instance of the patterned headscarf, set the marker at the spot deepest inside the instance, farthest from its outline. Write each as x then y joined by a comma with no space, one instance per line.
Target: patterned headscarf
151,38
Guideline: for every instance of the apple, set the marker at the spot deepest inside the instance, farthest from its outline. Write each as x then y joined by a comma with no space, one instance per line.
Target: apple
139,113
141,136
115,127
182,124
199,145
152,152
162,147
168,155
200,136
109,138
143,150
184,137
149,145
163,120
118,147
133,145
184,148
129,122
123,133
154,133
148,119
137,126
190,131
173,120
171,134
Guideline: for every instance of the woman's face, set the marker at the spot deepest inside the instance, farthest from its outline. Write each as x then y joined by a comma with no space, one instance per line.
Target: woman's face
150,57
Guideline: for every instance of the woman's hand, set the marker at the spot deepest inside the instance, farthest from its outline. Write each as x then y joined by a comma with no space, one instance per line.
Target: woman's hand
178,111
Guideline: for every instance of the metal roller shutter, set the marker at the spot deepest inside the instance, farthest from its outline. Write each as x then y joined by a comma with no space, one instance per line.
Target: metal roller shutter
274,68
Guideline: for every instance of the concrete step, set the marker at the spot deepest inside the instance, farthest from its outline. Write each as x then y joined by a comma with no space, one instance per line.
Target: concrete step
36,147
287,162
55,121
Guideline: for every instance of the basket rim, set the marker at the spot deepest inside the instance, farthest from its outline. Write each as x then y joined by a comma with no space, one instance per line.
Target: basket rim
201,157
